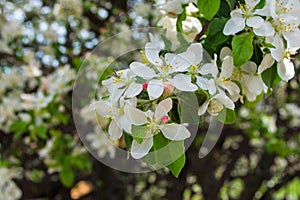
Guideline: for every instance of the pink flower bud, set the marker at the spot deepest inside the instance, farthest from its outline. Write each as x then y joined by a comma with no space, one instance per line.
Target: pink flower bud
145,86
165,119
168,88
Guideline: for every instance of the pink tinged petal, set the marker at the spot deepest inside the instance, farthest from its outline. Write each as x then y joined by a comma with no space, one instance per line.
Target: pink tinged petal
286,69
183,82
163,108
134,115
133,90
227,67
175,132
202,109
152,54
266,63
255,22
202,82
178,62
140,150
234,25
155,89
114,131
266,29
225,52
142,70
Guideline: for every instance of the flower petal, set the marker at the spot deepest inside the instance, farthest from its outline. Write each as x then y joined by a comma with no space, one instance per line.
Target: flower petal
202,109
102,107
194,53
227,67
155,89
255,22
202,82
152,54
142,70
133,90
134,115
140,150
225,100
178,62
225,52
114,131
286,69
175,132
266,29
163,108
266,63
234,25
183,82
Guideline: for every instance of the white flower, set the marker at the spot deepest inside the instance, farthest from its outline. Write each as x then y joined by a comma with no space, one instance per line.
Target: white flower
164,69
218,80
247,15
101,143
115,112
215,104
9,190
35,101
154,124
123,84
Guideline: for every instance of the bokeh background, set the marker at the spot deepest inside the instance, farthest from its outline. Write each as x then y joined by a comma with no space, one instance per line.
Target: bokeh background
42,46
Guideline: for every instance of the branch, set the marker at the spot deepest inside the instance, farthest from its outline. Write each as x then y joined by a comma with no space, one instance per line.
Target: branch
202,32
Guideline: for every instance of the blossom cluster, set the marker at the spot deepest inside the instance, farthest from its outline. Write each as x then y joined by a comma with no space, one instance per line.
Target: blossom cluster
277,23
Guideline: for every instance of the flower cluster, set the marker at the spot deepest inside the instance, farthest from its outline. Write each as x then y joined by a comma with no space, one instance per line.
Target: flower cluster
277,23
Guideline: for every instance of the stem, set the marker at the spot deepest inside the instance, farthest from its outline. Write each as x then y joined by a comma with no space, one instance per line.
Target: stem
201,33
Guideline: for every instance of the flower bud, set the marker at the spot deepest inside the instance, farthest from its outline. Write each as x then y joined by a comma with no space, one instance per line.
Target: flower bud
168,88
145,86
165,119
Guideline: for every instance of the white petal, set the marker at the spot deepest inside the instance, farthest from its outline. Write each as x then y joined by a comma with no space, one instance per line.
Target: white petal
116,93
286,69
252,3
266,29
225,100
155,89
133,90
102,107
210,68
202,82
114,131
266,63
124,123
292,37
183,82
234,25
212,88
152,54
255,22
227,67
225,52
194,53
134,115
142,70
202,109
175,132
178,62
249,67
279,48
163,108
140,150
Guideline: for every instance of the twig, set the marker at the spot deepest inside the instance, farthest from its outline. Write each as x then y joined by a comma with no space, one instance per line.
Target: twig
201,33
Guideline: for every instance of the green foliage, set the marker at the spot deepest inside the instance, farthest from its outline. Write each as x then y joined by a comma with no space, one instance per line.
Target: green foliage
66,175
227,116
208,8
242,48
139,132
271,77
215,34
18,128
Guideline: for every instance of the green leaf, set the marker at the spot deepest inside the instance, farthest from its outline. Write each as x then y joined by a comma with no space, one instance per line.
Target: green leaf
19,128
215,31
179,28
188,107
139,133
128,141
270,76
242,48
208,8
261,4
252,104
177,165
67,176
166,153
226,116
40,131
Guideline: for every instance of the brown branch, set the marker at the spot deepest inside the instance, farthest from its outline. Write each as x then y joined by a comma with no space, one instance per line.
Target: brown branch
202,32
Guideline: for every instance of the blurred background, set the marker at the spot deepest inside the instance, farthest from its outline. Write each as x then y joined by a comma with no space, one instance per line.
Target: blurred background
43,44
